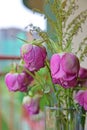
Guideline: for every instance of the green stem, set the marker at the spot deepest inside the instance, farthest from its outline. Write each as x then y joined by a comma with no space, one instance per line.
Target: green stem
35,77
47,64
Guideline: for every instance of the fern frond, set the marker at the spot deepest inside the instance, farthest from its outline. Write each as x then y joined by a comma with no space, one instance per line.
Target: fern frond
78,20
74,27
82,50
68,12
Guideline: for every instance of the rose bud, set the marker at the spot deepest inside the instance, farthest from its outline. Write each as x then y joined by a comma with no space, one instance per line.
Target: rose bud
64,69
33,56
82,77
81,98
18,81
31,104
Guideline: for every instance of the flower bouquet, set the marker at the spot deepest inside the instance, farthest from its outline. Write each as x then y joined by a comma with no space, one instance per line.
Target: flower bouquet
49,72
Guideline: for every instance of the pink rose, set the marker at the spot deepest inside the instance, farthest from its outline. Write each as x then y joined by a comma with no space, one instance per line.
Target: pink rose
81,98
83,73
31,104
33,56
18,81
82,77
64,69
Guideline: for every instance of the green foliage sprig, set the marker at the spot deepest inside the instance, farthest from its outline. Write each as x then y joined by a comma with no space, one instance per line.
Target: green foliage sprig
57,13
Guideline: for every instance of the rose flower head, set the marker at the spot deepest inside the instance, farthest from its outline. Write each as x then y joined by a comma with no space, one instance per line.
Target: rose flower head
33,56
18,81
81,98
82,77
64,69
31,104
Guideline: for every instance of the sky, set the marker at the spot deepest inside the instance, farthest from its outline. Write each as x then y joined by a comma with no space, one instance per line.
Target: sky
14,14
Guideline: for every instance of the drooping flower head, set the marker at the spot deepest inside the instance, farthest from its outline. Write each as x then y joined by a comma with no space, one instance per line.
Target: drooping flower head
83,73
31,104
81,98
33,56
64,69
18,81
82,77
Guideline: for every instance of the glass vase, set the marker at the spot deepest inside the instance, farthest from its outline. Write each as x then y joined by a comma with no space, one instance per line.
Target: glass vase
62,119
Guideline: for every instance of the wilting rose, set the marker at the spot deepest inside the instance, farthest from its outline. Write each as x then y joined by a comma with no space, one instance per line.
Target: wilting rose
82,77
81,98
83,73
33,56
18,81
64,69
31,104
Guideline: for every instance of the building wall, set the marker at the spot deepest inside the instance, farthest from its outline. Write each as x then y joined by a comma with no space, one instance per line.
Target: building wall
10,45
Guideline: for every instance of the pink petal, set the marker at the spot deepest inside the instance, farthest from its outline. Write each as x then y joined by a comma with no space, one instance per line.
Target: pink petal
55,63
70,63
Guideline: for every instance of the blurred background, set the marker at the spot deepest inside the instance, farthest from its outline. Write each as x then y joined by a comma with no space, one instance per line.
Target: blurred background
15,16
